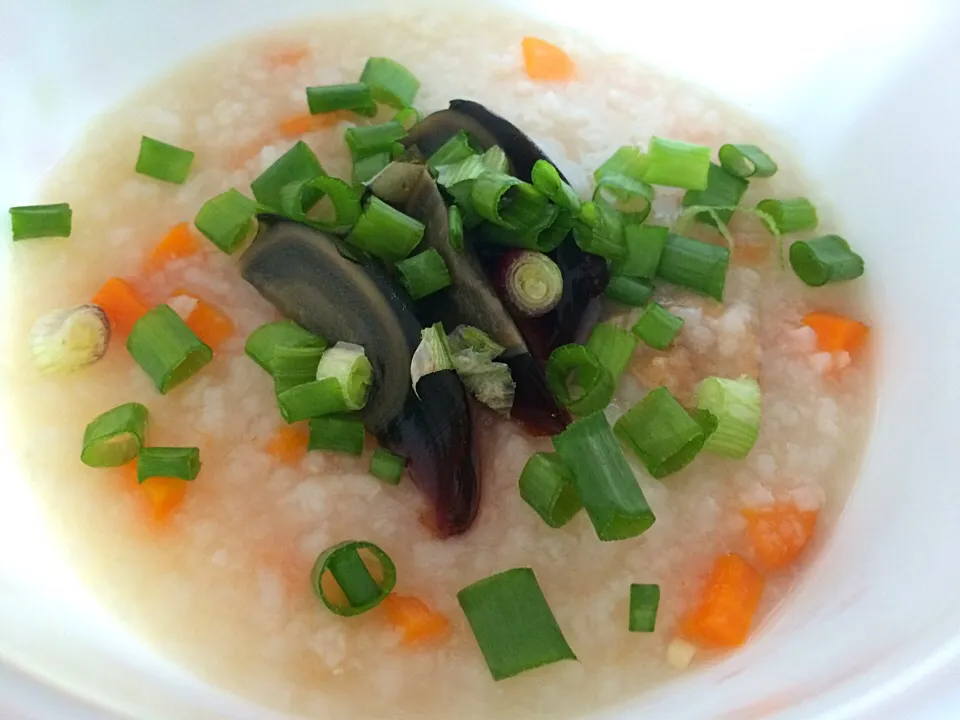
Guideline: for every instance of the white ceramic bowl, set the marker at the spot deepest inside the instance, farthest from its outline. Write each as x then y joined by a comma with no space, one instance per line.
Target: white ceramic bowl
869,93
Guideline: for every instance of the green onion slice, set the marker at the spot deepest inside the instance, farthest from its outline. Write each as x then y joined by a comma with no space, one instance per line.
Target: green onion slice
424,273
285,348
455,150
408,117
495,160
470,168
41,221
661,433
506,201
657,326
115,437
348,365
746,161
792,215
629,291
578,380
823,260
227,220
546,485
513,623
366,140
432,354
386,466
384,232
723,192
299,163
599,231
467,337
628,161
336,205
644,246
455,227
349,96
736,406
644,603
677,164
489,382
167,350
312,400
164,162
282,383
546,178
544,236
343,581
695,265
367,168
607,487
626,195
333,433
390,82
613,347
170,462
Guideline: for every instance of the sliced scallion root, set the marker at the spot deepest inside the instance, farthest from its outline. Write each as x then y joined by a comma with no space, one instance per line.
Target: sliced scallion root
69,339
343,581
532,281
347,363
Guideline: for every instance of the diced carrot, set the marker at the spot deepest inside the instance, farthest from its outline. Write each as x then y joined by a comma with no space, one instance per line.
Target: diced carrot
837,333
545,61
289,443
779,533
209,323
723,615
288,56
180,242
418,622
122,304
164,495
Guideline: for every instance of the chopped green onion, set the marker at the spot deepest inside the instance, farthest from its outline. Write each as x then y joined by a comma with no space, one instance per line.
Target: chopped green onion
644,245
495,160
367,168
532,282
461,196
455,227
344,202
629,291
408,117
723,191
825,259
167,350
384,232
311,400
366,140
546,485
578,380
544,236
661,433
513,623
489,382
608,488
226,220
344,563
599,231
115,437
169,462
272,347
613,347
348,365
546,178
297,164
424,273
164,162
466,337
282,383
657,326
336,434
695,265
455,150
68,339
625,194
470,168
677,164
386,466
736,406
349,96
41,221
746,161
506,201
644,603
791,215
627,161
390,82
432,354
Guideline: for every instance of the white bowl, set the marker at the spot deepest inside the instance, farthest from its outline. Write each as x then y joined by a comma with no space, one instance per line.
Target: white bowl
869,94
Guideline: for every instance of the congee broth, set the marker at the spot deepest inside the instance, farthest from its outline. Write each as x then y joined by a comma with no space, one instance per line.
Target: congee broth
445,366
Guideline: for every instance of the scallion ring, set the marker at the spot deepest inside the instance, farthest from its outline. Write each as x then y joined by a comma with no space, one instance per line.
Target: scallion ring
578,380
343,581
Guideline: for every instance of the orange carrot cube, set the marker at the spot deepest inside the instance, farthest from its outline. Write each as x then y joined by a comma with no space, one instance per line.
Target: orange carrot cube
289,443
122,304
418,622
725,611
779,533
179,243
545,61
